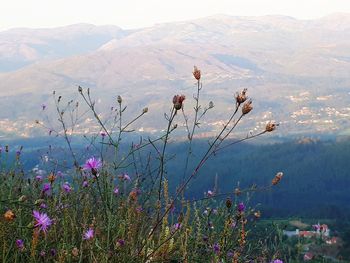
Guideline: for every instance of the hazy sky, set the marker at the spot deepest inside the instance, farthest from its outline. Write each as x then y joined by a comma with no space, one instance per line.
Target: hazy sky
133,14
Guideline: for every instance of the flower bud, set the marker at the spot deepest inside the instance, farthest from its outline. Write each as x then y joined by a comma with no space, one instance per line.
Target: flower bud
177,101
196,73
145,110
228,203
241,97
270,127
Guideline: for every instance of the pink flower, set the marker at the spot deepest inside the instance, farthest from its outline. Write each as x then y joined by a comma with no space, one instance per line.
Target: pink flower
116,190
66,187
89,234
42,221
93,165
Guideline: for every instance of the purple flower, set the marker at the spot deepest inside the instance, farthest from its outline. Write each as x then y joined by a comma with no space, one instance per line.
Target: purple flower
103,134
42,253
42,221
116,190
59,174
230,254
20,244
93,165
85,184
53,252
176,227
317,227
210,193
89,234
240,207
39,178
66,187
43,206
121,242
127,177
216,248
46,188
277,261
18,153
43,106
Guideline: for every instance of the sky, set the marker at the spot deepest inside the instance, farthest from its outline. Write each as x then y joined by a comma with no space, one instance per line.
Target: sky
142,13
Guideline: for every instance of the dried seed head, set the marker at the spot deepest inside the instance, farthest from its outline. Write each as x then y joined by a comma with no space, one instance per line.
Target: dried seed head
277,178
75,252
51,177
241,97
119,99
247,107
177,101
257,214
196,73
80,89
145,110
9,216
211,105
270,127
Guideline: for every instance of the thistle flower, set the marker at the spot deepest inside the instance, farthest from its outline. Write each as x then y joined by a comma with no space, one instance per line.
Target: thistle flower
177,101
277,261
228,203
89,234
277,178
42,221
103,134
53,252
247,107
46,188
66,187
9,216
85,184
196,73
124,177
93,165
210,193
116,190
119,99
216,248
20,244
121,242
240,207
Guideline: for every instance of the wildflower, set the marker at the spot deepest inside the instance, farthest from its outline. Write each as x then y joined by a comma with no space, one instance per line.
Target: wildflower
116,190
103,134
93,165
177,101
277,178
317,227
43,206
270,126
124,177
247,107
42,254
277,261
59,174
43,106
9,216
119,99
216,248
176,227
46,188
210,193
42,221
53,252
240,207
241,97
85,184
89,234
20,244
196,73
66,187
121,242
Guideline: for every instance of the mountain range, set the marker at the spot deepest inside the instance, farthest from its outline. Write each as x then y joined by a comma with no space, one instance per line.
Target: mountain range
296,71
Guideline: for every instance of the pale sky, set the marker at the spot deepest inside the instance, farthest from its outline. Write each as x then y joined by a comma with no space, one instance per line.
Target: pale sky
134,14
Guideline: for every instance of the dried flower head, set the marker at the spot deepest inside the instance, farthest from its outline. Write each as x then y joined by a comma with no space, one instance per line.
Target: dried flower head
51,177
145,110
196,73
228,203
271,126
177,101
257,214
241,97
277,178
9,216
75,252
119,99
247,107
237,191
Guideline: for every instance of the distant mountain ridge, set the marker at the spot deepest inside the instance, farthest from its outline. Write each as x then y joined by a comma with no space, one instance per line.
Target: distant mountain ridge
298,71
